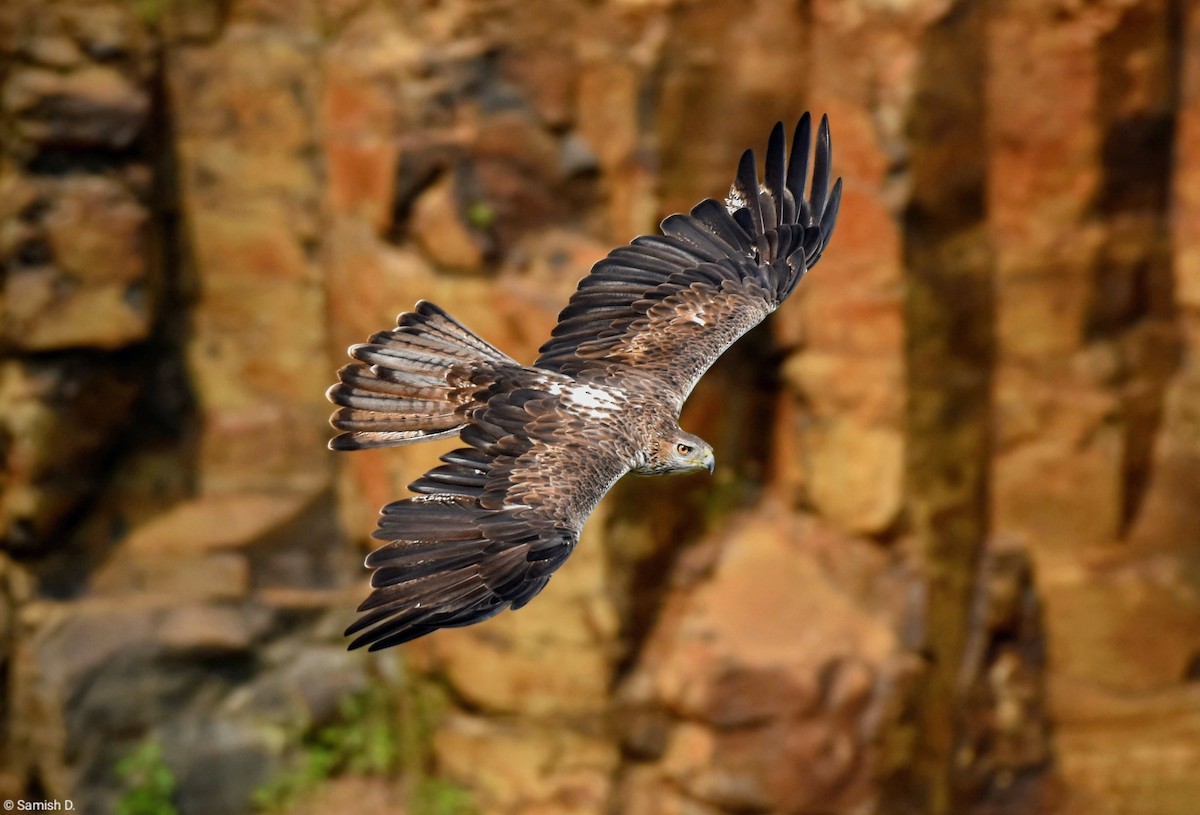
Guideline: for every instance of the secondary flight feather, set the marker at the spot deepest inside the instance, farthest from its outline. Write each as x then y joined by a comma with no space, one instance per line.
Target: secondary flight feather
543,443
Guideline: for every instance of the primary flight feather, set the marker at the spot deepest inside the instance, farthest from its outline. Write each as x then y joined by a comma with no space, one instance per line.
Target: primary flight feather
544,443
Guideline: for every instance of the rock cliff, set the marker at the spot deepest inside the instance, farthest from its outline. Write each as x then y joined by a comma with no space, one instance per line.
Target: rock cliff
950,560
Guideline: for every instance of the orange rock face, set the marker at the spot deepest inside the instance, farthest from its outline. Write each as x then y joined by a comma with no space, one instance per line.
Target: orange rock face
948,563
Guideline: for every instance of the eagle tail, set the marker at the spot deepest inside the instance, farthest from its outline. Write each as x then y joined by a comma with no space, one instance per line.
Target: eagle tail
411,383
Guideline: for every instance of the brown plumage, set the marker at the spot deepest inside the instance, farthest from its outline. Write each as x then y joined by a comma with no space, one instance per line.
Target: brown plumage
544,443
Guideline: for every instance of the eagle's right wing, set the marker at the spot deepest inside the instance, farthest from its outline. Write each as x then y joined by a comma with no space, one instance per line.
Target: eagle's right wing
665,307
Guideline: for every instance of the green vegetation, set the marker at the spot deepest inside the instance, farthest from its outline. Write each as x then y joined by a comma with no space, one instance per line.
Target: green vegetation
481,215
382,731
420,710
440,796
362,740
148,781
726,493
150,12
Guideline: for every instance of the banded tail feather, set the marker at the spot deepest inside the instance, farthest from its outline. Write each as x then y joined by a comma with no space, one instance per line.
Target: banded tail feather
411,383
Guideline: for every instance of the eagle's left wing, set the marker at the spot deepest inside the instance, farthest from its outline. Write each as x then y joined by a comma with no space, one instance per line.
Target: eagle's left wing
667,306
489,525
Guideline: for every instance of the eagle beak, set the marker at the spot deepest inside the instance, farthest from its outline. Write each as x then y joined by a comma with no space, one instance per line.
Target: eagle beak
709,460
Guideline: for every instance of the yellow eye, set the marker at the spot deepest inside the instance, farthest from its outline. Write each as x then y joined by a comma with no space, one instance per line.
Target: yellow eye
683,449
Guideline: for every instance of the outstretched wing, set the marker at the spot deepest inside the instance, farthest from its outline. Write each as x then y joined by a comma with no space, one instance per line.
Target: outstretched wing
489,526
665,307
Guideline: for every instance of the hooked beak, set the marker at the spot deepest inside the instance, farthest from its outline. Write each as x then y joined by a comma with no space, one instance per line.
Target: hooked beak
709,460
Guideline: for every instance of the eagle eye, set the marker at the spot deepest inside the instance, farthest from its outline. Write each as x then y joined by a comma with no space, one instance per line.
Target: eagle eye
683,449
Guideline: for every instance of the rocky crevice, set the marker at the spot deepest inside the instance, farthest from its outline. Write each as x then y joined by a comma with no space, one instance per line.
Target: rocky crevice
949,327
1133,311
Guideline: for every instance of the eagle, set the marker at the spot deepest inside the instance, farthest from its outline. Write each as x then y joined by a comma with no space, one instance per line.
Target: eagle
542,443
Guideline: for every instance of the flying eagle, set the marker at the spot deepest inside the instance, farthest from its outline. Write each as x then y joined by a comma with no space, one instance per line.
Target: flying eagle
544,443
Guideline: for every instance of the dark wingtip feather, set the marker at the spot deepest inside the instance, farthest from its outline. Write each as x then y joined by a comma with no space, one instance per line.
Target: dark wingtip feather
716,217
822,170
829,216
797,171
746,187
774,178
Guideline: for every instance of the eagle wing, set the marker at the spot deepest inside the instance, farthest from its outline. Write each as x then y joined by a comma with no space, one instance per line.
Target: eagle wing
666,307
489,525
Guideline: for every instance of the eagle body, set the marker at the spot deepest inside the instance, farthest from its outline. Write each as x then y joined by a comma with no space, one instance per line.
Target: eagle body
543,443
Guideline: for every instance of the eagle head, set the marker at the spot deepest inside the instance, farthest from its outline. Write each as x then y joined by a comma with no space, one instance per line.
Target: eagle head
678,452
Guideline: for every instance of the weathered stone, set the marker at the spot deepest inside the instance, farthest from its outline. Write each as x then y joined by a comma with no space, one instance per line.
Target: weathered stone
211,629
520,767
54,51
217,576
771,707
98,676
217,522
1170,511
1059,513
105,30
549,73
1185,230
308,684
517,168
645,792
81,273
96,231
439,227
371,796
363,72
1078,480
868,388
540,276
223,545
59,421
360,178
249,194
1159,774
856,474
88,107
607,125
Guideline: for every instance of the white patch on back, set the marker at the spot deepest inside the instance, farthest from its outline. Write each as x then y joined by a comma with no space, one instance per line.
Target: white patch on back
596,401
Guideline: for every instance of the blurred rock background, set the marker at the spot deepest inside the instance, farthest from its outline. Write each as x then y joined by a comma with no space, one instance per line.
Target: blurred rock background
950,562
